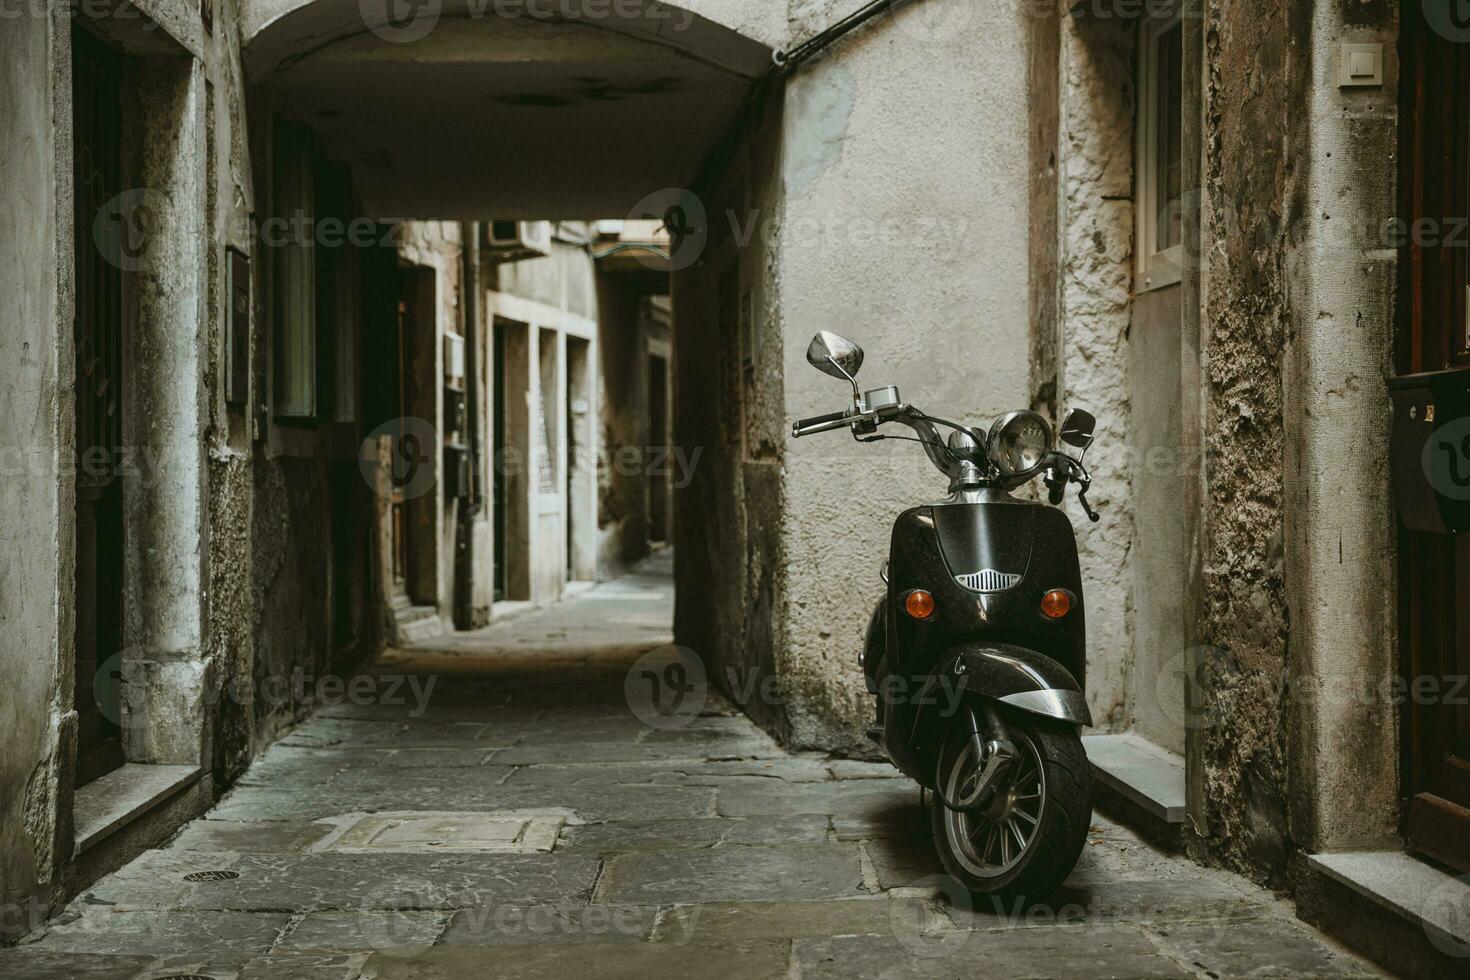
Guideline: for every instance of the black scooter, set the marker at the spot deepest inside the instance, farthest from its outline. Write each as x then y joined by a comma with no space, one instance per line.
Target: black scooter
977,655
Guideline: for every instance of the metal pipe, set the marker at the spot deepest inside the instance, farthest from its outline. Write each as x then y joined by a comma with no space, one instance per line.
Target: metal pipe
789,60
469,506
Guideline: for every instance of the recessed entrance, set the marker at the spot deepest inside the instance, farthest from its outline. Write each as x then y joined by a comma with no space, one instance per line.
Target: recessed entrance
97,117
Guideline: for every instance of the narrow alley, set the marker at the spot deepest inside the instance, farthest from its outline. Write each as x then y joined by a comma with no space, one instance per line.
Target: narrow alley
510,812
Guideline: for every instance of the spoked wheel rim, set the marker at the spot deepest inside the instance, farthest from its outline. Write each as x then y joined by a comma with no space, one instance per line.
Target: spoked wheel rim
995,840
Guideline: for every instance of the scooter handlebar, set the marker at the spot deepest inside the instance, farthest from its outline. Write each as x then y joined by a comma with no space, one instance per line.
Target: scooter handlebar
820,423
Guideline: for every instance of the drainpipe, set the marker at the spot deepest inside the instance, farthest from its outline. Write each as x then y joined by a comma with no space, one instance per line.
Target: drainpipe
469,506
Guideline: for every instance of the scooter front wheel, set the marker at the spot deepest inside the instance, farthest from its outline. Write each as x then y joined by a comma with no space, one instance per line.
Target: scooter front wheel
1025,840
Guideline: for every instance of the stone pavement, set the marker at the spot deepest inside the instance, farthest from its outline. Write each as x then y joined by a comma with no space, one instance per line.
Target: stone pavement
519,819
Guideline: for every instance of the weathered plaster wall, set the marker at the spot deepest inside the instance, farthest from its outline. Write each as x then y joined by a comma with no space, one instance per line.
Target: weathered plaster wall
729,562
928,272
35,499
1096,261
1339,529
229,639
565,279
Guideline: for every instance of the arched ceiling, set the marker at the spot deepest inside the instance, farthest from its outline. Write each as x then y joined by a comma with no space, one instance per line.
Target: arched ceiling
474,115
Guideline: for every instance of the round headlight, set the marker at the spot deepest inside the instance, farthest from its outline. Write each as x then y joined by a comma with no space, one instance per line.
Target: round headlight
1019,443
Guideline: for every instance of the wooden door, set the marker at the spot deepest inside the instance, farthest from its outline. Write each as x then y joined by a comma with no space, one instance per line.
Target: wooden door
97,328
400,410
1433,334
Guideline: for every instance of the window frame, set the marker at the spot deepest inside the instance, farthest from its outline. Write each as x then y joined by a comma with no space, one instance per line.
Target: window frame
294,155
1154,268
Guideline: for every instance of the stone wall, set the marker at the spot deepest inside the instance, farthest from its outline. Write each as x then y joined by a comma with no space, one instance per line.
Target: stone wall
1252,135
36,504
1095,270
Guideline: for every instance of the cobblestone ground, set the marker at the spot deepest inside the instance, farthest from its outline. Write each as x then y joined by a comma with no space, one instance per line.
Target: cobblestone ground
518,819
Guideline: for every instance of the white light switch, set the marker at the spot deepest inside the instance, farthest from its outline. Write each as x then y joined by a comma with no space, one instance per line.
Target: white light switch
1361,65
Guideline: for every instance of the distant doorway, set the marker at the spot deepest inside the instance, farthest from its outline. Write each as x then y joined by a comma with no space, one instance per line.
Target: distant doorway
659,440
97,122
414,524
581,463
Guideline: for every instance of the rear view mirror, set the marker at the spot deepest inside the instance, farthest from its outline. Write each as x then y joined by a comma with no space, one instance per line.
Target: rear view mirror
1077,428
835,355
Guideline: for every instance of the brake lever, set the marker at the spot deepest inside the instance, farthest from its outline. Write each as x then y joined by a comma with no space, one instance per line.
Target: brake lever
1092,515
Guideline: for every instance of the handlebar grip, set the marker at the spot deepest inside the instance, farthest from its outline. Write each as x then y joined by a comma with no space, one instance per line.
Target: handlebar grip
820,423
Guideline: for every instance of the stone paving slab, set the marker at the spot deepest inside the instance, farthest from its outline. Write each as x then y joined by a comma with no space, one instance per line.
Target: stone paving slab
307,882
100,930
365,931
690,772
627,835
1090,951
566,922
26,963
737,874
590,803
1274,947
873,799
232,835
720,923
604,961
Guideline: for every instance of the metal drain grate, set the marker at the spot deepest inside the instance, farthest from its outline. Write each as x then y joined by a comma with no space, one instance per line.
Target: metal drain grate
428,832
197,876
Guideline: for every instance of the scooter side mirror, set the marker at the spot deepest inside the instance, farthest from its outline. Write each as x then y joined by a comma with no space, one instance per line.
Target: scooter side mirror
834,355
1077,428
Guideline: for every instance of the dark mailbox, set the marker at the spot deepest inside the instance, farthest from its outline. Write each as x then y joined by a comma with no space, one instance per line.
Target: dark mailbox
1430,456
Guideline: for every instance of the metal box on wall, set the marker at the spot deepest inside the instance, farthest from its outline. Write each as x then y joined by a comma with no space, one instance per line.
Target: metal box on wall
1429,458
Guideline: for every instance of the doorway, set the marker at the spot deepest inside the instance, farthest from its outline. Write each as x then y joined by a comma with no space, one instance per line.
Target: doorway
510,484
97,121
659,443
1434,570
581,463
414,404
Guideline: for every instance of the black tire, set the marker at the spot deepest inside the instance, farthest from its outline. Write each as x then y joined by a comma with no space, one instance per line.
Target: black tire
1065,813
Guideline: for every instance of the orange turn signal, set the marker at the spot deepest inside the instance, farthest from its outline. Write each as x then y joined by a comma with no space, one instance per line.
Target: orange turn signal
919,604
1056,604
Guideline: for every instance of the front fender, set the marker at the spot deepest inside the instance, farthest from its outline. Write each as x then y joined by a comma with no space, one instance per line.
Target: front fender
1022,678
